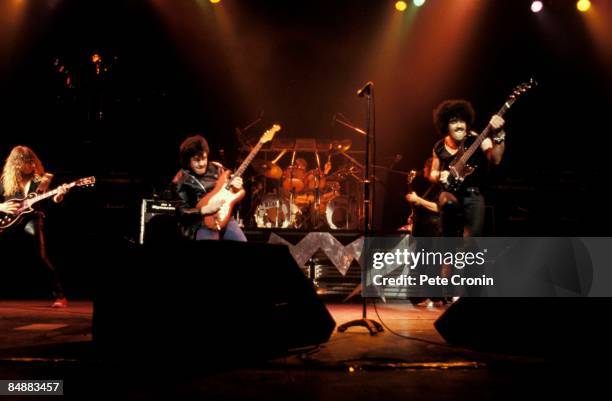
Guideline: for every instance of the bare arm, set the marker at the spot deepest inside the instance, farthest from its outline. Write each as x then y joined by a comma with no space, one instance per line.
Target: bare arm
496,153
416,200
493,150
434,174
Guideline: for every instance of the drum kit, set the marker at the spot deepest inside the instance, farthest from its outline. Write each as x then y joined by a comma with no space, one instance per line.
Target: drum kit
300,198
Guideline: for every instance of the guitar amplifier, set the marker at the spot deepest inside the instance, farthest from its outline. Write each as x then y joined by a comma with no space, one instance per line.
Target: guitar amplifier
152,208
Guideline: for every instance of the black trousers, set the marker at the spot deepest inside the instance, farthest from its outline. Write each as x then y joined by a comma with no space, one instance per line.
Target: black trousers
33,228
462,215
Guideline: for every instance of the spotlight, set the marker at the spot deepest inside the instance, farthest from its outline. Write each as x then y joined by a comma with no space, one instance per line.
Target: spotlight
401,5
537,6
215,1
583,5
418,3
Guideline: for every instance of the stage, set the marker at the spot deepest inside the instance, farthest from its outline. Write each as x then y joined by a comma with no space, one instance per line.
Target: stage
39,342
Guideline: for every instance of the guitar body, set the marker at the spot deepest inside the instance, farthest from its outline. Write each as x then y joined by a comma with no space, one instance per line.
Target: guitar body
219,220
458,174
9,220
25,204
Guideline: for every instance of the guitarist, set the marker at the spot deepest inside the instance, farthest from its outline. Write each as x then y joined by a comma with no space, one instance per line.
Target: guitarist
23,173
462,212
425,216
197,177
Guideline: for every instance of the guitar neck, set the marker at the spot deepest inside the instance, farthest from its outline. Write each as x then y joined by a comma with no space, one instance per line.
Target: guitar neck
245,163
478,141
31,201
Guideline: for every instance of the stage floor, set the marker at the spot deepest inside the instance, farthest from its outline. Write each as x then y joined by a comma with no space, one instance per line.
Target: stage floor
39,342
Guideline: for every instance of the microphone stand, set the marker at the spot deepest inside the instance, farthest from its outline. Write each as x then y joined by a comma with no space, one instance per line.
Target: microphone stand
368,91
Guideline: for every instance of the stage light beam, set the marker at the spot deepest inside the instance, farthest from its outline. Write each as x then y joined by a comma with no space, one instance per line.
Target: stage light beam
537,6
583,5
418,3
401,5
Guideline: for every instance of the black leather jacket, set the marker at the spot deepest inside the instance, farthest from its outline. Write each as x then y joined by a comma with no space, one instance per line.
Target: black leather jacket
190,188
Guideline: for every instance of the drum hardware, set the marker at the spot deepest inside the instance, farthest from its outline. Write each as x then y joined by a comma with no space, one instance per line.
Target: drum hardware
311,199
341,146
270,169
342,121
240,132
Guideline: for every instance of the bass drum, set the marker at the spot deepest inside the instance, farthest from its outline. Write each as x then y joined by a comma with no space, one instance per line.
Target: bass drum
274,212
341,213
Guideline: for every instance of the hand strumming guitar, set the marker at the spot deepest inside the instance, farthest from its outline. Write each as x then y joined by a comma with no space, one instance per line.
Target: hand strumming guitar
212,207
444,175
237,183
412,197
9,207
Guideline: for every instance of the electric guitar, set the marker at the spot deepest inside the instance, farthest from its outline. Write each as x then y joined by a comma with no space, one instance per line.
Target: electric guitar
410,188
460,167
224,191
8,220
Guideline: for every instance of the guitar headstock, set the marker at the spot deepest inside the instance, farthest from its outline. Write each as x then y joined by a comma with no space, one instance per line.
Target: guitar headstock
411,175
85,182
520,89
269,134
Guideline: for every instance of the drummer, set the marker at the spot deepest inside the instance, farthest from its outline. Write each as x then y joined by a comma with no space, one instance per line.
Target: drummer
312,180
314,174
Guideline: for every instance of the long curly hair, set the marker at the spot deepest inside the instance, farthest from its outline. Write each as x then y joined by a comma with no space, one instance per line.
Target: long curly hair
449,109
12,173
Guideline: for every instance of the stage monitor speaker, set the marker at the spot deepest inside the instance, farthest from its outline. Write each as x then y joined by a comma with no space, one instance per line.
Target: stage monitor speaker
530,326
157,218
215,300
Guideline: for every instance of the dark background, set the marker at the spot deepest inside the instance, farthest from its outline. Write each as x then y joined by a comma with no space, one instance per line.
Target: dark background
175,68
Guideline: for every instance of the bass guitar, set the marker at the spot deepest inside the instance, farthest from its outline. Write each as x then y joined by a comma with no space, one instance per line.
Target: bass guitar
460,167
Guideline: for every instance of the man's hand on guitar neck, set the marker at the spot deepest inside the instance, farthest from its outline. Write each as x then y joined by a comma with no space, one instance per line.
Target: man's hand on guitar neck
9,207
61,191
497,123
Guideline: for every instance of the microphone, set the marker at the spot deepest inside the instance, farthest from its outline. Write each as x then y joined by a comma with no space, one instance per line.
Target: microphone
366,89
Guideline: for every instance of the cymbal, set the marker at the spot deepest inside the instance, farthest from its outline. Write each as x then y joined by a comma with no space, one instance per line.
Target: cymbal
344,172
341,146
268,169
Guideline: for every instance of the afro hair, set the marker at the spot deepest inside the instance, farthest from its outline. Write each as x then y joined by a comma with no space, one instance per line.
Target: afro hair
449,109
